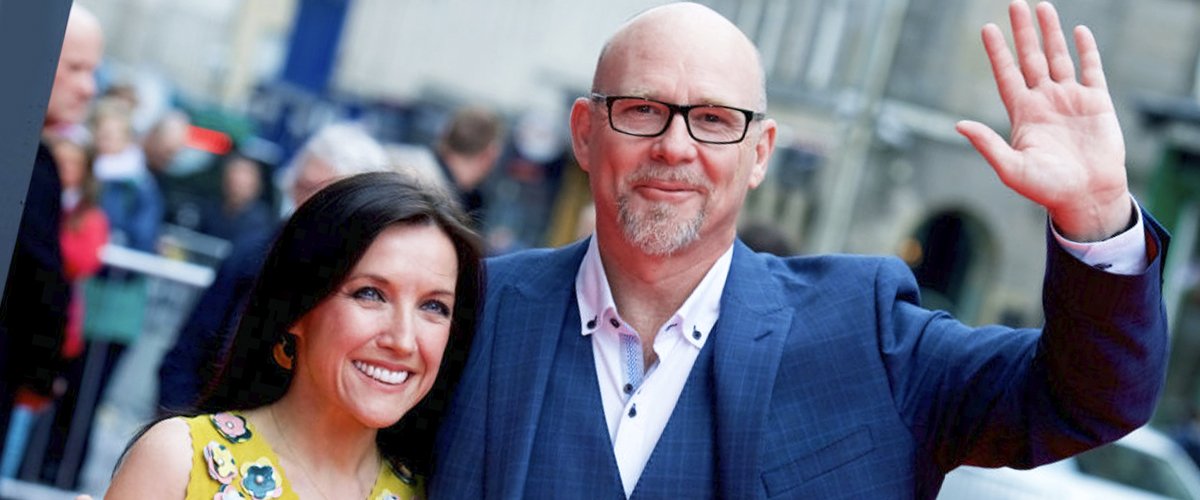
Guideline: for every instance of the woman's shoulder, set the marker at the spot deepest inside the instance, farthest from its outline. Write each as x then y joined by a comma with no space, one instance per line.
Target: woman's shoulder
168,439
167,434
157,464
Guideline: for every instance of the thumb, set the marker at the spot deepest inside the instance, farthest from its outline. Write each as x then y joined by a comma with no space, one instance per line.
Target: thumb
994,148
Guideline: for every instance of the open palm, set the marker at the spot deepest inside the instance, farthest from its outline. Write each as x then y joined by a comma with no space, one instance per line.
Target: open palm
1066,151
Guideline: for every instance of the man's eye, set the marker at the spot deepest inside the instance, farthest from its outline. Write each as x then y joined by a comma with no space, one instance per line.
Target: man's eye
437,307
368,293
714,118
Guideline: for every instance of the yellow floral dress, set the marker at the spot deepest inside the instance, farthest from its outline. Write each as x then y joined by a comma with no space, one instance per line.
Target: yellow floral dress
230,462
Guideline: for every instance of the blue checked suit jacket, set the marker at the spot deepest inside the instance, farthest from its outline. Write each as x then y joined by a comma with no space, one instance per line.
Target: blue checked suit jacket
828,380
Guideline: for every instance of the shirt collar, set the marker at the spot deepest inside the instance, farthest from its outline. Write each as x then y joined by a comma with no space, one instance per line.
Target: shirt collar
592,291
694,319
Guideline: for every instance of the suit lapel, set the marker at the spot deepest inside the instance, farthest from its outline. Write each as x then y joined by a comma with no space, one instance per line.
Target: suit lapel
749,339
530,319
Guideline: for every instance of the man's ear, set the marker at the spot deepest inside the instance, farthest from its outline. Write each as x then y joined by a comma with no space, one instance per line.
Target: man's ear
762,152
581,130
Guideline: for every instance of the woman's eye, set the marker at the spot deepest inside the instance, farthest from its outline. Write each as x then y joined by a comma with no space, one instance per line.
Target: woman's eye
438,307
368,293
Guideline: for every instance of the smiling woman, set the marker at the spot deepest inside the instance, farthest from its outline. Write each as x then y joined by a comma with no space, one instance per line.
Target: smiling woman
348,348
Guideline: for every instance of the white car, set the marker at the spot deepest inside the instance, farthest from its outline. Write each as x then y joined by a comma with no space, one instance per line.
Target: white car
1144,464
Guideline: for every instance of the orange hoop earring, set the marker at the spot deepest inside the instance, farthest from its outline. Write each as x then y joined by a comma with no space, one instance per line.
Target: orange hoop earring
285,352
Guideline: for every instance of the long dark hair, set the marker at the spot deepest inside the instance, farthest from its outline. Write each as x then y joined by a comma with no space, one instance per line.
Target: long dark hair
313,254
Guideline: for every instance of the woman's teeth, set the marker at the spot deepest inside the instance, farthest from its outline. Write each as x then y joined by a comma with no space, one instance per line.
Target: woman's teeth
381,374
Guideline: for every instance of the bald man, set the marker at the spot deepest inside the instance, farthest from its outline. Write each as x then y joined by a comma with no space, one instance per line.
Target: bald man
661,358
34,307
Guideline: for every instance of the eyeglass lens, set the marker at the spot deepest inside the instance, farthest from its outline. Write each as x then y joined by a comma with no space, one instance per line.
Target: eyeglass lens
706,123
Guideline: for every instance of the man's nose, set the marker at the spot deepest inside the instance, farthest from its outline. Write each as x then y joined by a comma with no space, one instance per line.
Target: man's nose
87,85
675,145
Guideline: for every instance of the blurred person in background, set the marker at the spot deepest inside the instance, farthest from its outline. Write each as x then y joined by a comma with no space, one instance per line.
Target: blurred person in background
129,194
352,339
241,210
418,162
83,231
165,139
333,152
662,358
83,234
162,146
467,151
529,185
33,310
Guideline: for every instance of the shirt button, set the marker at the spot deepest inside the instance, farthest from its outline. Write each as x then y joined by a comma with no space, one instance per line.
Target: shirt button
614,322
628,388
633,411
591,323
696,334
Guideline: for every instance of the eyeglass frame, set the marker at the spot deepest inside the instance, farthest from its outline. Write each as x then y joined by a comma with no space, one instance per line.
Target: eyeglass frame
682,110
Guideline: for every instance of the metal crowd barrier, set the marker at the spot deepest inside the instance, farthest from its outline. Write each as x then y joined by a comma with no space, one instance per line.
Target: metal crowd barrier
160,292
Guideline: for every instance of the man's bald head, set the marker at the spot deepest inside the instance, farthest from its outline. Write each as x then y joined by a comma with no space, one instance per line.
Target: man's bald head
697,33
75,80
668,192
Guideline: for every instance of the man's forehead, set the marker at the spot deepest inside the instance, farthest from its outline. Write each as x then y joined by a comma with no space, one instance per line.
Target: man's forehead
655,50
698,94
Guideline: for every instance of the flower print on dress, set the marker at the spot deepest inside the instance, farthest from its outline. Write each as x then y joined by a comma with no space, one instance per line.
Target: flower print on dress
232,426
229,493
221,465
260,479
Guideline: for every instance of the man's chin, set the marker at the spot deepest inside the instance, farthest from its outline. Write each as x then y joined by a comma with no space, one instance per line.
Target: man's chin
660,234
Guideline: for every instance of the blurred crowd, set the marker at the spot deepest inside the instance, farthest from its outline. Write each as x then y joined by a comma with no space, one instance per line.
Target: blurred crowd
192,192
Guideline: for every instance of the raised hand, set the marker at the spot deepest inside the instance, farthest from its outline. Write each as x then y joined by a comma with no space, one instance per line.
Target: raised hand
1067,153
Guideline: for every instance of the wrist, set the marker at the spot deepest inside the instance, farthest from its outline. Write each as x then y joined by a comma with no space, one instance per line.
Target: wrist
1096,223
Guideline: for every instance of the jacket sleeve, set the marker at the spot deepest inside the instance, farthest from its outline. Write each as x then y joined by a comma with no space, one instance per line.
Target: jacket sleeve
995,396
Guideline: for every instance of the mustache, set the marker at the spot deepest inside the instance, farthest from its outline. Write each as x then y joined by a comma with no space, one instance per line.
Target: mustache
670,174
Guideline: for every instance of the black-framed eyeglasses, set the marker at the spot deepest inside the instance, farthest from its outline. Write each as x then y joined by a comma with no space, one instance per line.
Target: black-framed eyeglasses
707,123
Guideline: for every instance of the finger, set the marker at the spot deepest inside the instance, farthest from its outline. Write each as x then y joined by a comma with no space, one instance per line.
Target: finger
1091,73
1008,77
1002,157
1031,57
1058,57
